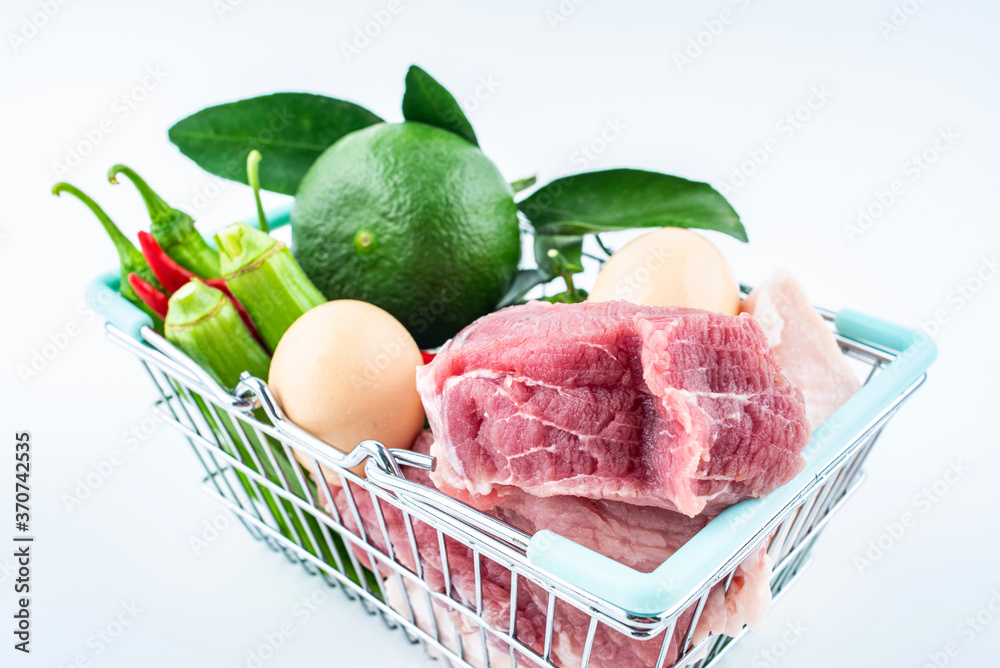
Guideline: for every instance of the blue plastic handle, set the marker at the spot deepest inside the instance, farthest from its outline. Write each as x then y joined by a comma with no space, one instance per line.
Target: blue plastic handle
666,589
103,294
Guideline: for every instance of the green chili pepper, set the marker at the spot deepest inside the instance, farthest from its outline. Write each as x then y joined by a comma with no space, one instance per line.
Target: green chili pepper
173,229
129,257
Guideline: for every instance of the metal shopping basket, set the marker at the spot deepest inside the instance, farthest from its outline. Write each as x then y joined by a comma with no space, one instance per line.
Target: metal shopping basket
246,446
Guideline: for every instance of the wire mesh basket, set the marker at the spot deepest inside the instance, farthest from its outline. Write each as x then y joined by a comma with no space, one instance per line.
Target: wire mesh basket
432,566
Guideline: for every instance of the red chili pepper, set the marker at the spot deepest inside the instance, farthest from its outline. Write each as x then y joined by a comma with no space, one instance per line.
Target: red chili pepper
150,296
169,273
428,357
173,276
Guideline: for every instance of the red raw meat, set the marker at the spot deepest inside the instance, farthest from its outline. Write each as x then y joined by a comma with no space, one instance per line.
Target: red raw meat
674,408
803,345
639,537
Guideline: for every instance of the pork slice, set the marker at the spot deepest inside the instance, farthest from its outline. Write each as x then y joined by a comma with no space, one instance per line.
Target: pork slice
495,579
642,538
453,630
637,536
804,346
674,408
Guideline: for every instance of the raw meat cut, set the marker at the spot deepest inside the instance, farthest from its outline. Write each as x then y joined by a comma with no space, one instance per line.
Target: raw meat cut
803,345
452,627
675,408
640,537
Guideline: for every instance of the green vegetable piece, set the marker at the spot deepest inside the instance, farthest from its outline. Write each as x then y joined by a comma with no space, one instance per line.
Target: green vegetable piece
569,247
253,176
565,268
619,199
568,260
173,229
574,296
203,323
267,280
207,328
427,101
523,184
293,128
129,257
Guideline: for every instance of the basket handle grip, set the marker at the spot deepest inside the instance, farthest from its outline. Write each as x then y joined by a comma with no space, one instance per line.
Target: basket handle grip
104,296
667,590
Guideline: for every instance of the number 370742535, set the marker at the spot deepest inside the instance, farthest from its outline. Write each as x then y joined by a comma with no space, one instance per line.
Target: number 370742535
22,471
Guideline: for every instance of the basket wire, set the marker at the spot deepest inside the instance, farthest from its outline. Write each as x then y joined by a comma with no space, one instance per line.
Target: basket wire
249,464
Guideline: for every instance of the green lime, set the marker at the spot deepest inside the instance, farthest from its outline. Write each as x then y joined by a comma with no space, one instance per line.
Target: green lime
411,218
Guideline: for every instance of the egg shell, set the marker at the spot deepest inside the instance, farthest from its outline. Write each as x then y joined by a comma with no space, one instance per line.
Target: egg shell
345,372
669,267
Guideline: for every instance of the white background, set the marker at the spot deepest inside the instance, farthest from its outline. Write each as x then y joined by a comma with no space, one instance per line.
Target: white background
557,84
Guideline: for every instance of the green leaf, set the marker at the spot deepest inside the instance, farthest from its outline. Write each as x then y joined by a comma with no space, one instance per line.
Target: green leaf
427,101
561,255
523,184
523,282
567,297
292,129
619,199
569,247
570,254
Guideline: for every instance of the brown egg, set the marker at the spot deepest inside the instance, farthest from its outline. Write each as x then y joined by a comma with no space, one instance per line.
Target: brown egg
669,267
346,372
